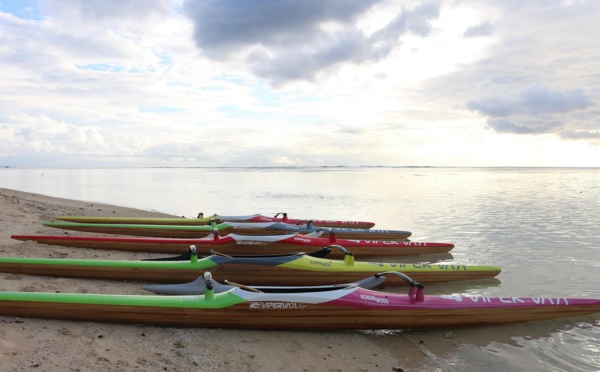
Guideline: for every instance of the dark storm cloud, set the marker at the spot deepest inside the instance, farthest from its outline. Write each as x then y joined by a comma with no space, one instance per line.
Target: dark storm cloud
222,26
295,40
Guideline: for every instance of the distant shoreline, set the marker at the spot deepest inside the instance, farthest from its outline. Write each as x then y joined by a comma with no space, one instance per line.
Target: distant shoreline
294,167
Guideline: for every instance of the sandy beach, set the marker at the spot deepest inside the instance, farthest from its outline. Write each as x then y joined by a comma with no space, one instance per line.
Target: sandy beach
50,345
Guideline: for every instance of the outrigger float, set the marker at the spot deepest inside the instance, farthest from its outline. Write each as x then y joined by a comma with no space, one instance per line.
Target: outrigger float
247,228
344,307
201,220
243,244
284,269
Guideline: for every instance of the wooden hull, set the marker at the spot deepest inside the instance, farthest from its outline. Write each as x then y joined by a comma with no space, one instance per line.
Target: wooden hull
201,221
361,248
256,274
304,317
173,231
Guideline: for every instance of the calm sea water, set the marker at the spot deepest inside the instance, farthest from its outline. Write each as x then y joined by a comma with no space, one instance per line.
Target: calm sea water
541,225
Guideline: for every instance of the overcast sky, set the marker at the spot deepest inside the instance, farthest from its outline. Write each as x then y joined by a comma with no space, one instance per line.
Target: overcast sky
299,82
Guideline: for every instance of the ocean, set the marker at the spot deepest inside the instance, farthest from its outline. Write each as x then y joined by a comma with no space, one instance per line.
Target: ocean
541,225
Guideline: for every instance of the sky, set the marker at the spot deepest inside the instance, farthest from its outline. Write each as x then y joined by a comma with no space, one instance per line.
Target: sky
299,83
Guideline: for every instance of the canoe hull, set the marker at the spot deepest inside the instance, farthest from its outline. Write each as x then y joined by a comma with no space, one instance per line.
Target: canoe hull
202,221
179,231
257,274
361,248
297,317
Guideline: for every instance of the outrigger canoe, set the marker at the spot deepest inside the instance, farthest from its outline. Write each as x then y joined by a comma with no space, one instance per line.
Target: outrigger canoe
244,244
335,308
284,269
201,220
247,228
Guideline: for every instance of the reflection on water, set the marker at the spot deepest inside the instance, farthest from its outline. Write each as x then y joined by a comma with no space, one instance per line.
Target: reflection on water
553,345
557,345
539,225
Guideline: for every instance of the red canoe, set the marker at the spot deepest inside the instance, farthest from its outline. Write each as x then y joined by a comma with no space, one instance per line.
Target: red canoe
241,244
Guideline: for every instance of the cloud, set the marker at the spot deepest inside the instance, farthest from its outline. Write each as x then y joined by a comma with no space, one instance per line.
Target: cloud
105,11
521,127
222,27
531,100
582,135
480,30
537,110
534,75
285,41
